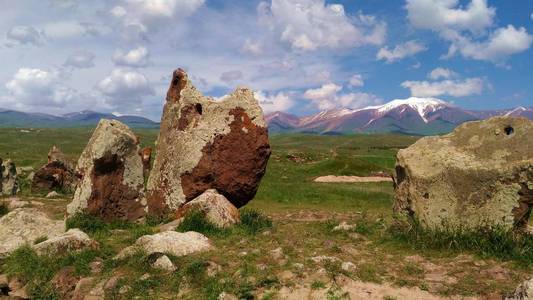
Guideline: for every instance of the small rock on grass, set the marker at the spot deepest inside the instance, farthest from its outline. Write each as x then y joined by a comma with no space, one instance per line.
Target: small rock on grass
52,194
163,263
72,240
343,226
523,292
277,253
348,266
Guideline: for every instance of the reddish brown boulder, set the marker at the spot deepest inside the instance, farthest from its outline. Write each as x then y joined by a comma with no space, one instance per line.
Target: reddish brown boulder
56,175
111,170
206,144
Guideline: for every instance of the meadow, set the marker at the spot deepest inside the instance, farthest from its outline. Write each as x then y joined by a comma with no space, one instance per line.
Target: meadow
301,215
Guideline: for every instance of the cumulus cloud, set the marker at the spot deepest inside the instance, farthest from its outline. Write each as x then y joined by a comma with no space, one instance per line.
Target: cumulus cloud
36,87
274,102
251,47
441,73
356,80
500,44
466,28
24,35
447,14
136,58
81,59
124,87
231,76
401,51
328,97
456,88
311,24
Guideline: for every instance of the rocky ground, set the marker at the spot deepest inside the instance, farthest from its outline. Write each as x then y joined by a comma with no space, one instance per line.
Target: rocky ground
303,254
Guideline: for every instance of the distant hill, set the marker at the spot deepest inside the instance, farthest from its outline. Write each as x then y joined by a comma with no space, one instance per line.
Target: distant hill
416,116
11,118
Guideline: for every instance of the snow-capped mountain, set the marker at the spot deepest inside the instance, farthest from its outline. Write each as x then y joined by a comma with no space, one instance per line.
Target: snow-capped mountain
411,116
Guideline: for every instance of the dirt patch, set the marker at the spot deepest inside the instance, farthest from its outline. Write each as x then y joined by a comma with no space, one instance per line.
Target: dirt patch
352,179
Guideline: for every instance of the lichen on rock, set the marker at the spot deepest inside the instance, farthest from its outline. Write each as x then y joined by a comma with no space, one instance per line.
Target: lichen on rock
111,170
477,176
206,144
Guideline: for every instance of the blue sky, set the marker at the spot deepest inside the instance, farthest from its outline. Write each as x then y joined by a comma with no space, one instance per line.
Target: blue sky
300,56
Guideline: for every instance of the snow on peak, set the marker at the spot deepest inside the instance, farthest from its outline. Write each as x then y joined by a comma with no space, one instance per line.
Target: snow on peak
422,105
328,114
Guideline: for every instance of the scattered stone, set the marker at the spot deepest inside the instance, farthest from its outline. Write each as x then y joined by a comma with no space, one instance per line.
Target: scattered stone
8,178
72,240
213,269
171,226
215,207
82,288
205,144
52,194
351,179
523,292
164,263
472,177
25,225
348,266
112,283
96,266
286,275
226,296
124,289
344,227
298,266
112,182
64,282
56,174
324,258
22,170
277,253
30,176
171,242
21,293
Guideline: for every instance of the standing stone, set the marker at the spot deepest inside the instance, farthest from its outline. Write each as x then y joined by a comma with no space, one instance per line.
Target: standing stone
8,176
111,170
480,175
206,144
56,174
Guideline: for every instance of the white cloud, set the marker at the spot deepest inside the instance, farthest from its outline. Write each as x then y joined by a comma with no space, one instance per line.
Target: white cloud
356,80
443,73
81,59
137,58
448,14
456,88
501,43
328,97
311,24
409,48
124,87
231,76
36,87
24,35
274,102
466,28
326,91
251,47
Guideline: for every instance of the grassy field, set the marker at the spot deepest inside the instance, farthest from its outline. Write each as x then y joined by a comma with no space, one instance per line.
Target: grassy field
303,214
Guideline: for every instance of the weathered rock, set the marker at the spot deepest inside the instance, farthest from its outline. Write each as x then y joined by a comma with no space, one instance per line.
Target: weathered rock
205,144
24,226
8,178
64,282
52,194
171,242
163,263
215,207
72,240
523,292
14,203
56,174
480,175
344,226
111,170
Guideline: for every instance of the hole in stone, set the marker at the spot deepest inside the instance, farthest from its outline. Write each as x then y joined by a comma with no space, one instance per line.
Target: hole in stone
508,130
426,195
107,165
198,108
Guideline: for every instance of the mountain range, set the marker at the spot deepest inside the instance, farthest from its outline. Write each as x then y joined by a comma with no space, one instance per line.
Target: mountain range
417,116
12,118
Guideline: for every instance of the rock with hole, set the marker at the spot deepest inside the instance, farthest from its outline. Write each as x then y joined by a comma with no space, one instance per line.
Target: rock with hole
480,175
112,183
206,144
